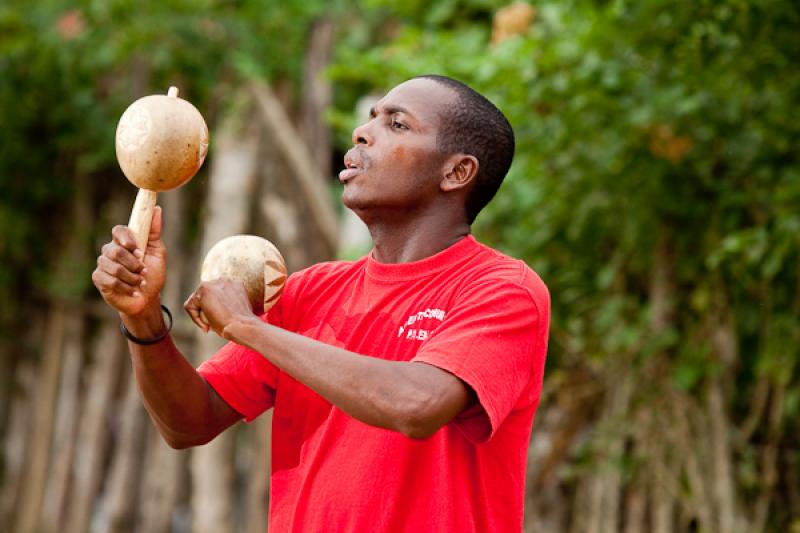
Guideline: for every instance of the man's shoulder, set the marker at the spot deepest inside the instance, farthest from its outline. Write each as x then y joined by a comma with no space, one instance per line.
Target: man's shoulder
494,267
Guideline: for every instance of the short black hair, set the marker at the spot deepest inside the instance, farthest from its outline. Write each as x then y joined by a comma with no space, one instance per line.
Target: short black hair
473,125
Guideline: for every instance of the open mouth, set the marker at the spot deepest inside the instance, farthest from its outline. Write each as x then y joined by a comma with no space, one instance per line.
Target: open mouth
352,167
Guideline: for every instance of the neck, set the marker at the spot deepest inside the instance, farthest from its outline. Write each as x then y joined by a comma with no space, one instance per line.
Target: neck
414,239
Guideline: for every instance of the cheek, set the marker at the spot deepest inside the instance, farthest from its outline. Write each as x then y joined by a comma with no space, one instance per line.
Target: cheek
399,154
412,160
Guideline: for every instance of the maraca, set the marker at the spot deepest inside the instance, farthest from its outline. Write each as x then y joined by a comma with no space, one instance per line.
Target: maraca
254,261
161,143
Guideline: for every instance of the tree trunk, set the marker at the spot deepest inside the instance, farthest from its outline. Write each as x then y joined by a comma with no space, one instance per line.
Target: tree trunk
312,185
317,95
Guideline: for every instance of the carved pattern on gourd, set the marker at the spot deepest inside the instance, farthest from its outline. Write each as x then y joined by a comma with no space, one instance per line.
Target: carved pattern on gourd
135,127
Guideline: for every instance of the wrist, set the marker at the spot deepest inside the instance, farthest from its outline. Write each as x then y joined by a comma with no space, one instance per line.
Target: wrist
152,340
241,328
146,324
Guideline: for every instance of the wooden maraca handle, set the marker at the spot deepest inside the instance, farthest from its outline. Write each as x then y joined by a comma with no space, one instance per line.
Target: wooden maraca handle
142,216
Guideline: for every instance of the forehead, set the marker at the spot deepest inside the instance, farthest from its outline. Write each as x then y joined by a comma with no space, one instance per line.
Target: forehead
423,98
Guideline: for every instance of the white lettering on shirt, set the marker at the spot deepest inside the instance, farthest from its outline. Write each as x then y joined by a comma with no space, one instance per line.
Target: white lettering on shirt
417,333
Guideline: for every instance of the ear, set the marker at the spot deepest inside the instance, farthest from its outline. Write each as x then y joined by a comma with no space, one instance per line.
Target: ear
460,171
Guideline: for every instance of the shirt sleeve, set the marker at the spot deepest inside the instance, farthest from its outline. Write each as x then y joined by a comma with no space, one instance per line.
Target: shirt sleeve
494,339
242,377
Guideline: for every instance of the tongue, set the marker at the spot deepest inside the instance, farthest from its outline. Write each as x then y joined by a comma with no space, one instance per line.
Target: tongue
348,173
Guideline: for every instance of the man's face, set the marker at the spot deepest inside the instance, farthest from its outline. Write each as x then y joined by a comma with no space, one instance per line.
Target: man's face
394,164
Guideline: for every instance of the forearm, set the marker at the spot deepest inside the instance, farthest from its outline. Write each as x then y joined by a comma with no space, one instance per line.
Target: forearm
411,398
180,402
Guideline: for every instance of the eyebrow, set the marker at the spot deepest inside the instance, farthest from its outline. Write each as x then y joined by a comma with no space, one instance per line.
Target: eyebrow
391,110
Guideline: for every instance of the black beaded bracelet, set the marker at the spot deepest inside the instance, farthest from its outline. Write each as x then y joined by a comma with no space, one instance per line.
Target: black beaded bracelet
147,342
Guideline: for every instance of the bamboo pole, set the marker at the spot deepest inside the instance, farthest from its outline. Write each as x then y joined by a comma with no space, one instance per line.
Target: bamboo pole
117,511
681,411
93,428
65,426
33,484
769,461
16,440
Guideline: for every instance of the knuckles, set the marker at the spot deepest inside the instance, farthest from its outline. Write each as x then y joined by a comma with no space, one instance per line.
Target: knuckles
120,234
119,270
117,253
120,287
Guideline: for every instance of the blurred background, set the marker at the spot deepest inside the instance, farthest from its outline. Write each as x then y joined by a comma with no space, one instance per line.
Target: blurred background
656,190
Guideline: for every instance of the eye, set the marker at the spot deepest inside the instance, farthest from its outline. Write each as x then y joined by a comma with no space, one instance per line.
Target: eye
397,125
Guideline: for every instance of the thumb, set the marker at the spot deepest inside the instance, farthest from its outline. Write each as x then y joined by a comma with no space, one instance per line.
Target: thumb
155,225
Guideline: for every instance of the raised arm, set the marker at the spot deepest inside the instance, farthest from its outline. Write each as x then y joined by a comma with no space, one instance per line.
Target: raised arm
185,409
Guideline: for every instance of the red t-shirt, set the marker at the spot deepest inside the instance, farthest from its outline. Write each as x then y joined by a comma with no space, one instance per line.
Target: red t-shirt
469,310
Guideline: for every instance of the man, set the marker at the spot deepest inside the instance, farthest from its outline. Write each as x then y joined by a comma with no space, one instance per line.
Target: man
404,384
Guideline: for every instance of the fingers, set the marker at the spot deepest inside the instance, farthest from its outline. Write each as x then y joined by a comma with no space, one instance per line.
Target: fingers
119,271
109,284
122,249
192,307
123,236
119,267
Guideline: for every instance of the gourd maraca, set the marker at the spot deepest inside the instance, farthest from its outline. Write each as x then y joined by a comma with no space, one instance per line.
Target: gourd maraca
254,261
161,143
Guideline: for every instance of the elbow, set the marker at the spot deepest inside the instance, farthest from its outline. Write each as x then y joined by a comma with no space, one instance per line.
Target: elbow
177,443
420,431
182,441
418,420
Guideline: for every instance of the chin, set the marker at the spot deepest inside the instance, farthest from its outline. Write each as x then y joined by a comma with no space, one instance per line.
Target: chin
358,204
351,201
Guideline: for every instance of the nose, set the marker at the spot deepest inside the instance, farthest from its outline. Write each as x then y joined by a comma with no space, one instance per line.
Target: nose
362,135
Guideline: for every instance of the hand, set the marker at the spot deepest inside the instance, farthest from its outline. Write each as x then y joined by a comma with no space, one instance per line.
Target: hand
128,281
217,303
